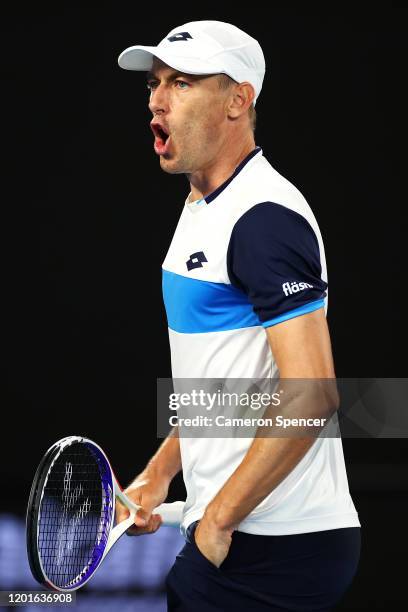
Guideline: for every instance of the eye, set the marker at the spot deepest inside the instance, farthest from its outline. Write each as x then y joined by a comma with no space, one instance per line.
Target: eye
182,83
151,85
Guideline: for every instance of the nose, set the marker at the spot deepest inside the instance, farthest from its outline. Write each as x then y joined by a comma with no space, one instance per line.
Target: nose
158,101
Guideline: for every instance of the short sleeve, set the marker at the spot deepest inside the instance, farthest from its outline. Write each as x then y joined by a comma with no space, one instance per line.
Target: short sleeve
274,257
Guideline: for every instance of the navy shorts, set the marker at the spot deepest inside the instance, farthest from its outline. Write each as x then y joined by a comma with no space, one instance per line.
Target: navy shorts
302,572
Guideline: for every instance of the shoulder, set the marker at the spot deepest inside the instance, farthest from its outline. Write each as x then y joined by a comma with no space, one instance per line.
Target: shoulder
262,184
271,225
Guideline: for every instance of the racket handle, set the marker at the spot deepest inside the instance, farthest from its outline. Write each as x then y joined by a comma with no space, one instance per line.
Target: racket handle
171,513
118,531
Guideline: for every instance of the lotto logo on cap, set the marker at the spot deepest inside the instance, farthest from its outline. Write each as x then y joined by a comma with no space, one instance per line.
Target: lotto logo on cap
204,47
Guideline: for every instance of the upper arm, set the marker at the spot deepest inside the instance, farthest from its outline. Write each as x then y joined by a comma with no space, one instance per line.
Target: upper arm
301,346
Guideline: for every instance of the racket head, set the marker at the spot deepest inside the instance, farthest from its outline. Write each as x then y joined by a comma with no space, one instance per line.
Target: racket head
70,513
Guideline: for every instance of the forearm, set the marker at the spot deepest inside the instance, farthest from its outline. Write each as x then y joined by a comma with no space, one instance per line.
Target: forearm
150,488
271,457
267,462
166,462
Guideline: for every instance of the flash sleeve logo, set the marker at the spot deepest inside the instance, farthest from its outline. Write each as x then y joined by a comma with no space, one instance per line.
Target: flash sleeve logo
180,36
295,287
196,261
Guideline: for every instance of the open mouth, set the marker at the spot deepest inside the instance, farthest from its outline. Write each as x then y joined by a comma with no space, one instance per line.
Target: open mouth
161,138
160,132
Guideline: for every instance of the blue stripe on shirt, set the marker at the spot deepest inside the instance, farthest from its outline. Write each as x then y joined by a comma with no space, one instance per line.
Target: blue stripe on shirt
297,312
195,306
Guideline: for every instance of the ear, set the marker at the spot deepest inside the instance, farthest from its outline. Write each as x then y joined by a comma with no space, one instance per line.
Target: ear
242,96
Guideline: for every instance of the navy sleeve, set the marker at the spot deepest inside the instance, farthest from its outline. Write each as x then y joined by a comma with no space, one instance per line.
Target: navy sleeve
274,257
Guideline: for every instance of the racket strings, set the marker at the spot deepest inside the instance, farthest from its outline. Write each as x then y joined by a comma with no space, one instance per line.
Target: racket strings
75,516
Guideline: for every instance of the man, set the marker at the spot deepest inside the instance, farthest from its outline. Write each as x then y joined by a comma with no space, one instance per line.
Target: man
269,522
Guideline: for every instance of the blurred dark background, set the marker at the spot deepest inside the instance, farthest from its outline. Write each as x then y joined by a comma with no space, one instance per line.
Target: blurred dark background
89,215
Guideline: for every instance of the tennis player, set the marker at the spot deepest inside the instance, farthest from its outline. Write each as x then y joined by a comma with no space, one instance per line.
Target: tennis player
269,521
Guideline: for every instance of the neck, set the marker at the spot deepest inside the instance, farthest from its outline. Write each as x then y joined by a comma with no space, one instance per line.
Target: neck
206,180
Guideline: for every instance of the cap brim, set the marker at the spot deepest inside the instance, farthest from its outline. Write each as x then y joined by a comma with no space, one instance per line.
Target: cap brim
137,58
141,58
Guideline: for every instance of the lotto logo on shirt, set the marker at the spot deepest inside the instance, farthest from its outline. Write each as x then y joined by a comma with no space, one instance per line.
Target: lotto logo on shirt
196,261
294,287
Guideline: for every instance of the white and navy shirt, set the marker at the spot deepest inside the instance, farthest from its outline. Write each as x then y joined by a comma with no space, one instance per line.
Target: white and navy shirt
248,256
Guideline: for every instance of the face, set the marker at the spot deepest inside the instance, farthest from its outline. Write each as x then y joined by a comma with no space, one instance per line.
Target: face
192,111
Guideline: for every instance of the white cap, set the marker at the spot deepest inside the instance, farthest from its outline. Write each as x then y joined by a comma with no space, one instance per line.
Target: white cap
204,47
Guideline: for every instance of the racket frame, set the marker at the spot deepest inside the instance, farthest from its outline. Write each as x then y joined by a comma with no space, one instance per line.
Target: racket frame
171,512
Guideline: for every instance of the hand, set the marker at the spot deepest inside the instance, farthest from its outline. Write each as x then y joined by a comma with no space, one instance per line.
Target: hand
148,491
213,542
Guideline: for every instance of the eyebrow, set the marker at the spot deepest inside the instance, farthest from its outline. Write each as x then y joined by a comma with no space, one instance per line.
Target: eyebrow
173,75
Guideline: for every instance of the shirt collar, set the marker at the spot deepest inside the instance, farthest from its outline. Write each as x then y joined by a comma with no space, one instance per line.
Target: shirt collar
211,196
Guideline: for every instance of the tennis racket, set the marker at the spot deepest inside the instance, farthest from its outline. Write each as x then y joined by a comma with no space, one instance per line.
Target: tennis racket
71,512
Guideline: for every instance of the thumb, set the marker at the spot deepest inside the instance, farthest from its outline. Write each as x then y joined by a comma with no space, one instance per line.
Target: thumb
142,517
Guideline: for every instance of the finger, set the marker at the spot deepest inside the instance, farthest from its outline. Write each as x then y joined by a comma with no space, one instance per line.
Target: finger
121,516
151,527
142,518
135,531
121,512
154,523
